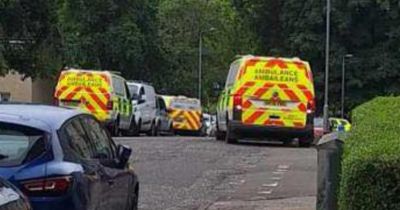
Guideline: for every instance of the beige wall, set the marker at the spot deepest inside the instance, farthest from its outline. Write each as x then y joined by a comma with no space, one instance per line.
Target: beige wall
37,91
42,91
20,91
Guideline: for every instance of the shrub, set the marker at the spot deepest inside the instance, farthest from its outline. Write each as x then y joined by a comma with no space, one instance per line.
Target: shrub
370,176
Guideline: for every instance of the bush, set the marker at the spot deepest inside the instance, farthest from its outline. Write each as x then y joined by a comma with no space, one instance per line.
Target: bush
371,163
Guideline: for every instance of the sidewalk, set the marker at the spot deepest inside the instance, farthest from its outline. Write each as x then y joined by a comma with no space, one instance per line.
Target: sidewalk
299,203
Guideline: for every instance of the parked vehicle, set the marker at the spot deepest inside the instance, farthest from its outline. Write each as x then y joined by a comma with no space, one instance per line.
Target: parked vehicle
186,114
318,127
144,107
101,93
164,123
64,159
11,198
339,124
266,97
208,128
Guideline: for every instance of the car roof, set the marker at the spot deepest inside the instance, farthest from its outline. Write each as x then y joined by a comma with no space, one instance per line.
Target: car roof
43,117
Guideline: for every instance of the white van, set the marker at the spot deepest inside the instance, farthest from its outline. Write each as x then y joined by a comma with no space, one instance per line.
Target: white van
144,105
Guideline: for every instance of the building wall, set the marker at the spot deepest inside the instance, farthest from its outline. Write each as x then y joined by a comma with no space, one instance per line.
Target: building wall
42,91
36,91
19,90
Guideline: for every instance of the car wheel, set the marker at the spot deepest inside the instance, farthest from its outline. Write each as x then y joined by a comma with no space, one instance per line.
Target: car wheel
230,137
133,200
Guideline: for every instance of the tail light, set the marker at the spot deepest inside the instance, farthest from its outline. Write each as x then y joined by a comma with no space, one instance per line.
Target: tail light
237,107
237,102
110,105
51,187
310,107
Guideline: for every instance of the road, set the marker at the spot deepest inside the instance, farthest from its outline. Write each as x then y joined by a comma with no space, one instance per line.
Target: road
184,173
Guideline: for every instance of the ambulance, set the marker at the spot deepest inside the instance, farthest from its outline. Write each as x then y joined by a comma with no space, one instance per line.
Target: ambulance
267,98
186,114
103,94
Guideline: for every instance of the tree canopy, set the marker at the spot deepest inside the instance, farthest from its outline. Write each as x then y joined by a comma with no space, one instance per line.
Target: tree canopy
158,40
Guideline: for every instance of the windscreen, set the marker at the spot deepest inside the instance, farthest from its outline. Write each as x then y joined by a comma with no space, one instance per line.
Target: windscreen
185,104
133,89
19,144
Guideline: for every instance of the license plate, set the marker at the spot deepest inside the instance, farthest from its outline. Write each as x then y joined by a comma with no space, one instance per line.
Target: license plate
71,103
275,103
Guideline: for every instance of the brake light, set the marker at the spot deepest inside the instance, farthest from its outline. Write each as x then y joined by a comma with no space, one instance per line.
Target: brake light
237,102
310,107
110,105
237,107
47,187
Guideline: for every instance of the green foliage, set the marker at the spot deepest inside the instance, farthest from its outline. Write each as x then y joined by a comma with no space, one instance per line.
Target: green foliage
157,40
371,163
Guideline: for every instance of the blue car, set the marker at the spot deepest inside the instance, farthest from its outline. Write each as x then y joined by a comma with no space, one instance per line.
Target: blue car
64,159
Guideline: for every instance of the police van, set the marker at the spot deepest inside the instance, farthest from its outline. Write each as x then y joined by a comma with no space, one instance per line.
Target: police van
267,97
102,93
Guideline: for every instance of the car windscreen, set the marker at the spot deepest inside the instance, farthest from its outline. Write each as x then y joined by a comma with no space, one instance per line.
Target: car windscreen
185,105
133,89
20,144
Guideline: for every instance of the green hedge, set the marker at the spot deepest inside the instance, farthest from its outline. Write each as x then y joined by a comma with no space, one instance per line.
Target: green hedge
370,176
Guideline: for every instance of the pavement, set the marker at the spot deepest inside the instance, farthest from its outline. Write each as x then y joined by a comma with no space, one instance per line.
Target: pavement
197,173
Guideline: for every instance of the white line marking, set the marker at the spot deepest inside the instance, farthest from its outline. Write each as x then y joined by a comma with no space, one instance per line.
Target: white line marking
275,184
268,192
283,166
276,178
278,172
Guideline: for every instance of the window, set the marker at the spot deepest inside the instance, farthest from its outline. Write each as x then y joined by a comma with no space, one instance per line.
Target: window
233,71
119,86
142,93
4,97
161,103
20,144
76,139
133,89
98,136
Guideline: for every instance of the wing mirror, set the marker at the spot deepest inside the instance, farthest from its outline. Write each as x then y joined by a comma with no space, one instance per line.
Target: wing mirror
124,154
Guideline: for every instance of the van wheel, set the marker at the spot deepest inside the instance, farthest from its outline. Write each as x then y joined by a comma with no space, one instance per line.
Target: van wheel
152,131
157,129
133,129
306,141
219,135
230,138
115,129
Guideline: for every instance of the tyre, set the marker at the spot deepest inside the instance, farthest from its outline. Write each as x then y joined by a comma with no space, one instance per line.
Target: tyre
219,135
115,131
157,130
306,141
230,137
133,200
152,131
133,129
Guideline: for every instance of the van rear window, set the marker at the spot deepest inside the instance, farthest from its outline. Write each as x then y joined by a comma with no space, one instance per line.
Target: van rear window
20,144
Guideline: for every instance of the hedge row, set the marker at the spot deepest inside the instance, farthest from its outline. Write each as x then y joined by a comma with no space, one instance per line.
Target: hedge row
370,176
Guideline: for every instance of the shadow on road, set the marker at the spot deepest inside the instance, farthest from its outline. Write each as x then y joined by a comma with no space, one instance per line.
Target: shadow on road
269,143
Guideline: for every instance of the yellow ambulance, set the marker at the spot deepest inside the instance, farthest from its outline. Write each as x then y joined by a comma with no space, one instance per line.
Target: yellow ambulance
267,98
186,114
101,93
